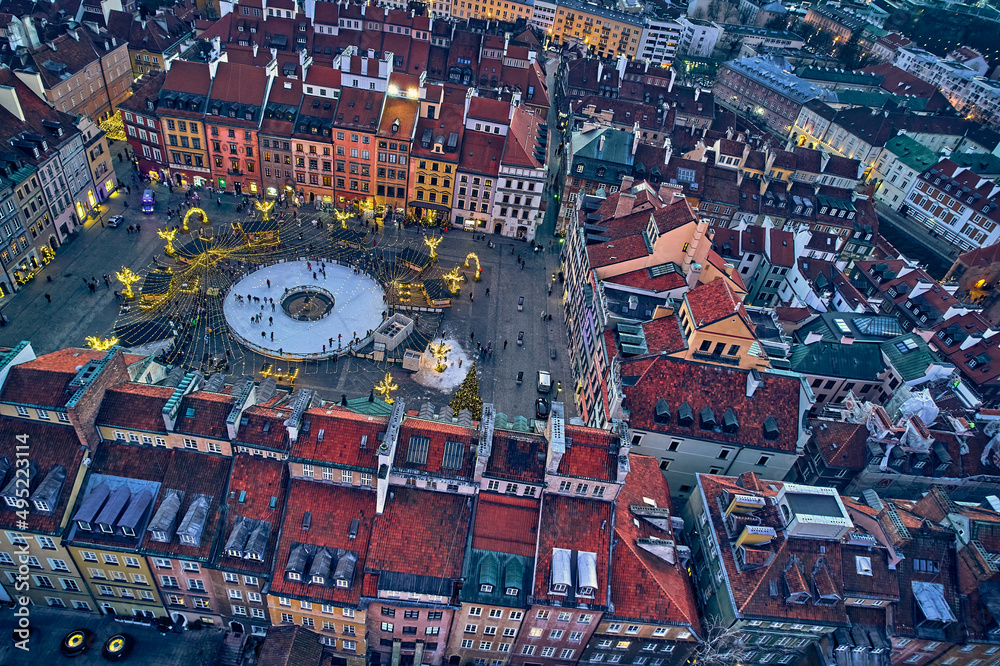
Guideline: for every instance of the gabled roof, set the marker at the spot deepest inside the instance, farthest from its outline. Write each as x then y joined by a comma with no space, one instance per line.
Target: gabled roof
341,437
643,585
714,301
291,645
204,413
203,480
518,457
321,515
491,110
51,446
506,524
575,525
190,77
242,84
860,361
135,406
44,381
421,533
481,153
435,448
257,489
590,454
699,385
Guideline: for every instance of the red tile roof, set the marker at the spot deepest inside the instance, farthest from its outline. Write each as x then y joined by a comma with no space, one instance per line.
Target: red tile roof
422,533
261,479
842,444
590,453
343,432
494,111
244,84
782,248
578,525
481,152
195,474
403,109
135,406
517,457
209,416
44,380
263,427
506,524
190,77
703,385
359,109
332,508
49,445
751,589
439,434
644,586
642,279
714,301
664,335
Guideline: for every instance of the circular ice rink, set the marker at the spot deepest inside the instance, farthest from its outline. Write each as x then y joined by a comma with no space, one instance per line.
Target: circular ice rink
309,312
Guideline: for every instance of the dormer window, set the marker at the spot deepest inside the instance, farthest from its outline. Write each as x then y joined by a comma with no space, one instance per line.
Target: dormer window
107,529
512,592
294,575
343,583
39,505
128,531
83,525
486,588
318,580
189,540
559,588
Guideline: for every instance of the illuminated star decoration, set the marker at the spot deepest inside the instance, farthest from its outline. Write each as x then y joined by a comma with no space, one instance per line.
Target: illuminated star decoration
342,217
385,388
100,344
265,209
454,279
432,242
479,268
440,353
127,278
169,235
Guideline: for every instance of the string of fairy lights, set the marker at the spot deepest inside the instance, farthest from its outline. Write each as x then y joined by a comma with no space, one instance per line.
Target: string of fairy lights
176,306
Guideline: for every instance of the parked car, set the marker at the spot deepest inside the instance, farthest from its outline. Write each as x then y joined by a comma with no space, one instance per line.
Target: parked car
542,408
115,221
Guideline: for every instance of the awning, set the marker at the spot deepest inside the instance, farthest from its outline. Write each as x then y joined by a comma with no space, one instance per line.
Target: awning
430,206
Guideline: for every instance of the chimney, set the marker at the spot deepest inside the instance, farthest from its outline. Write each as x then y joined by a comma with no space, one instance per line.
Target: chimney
750,481
556,436
627,182
697,93
694,275
754,381
600,145
673,77
255,50
635,139
10,101
386,454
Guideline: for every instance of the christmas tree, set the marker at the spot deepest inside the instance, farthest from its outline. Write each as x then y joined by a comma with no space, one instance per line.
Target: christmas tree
467,396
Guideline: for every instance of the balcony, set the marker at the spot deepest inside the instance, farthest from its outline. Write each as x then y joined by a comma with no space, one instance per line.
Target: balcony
717,358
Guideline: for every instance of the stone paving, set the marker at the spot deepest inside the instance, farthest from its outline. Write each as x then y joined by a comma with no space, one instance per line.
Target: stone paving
75,312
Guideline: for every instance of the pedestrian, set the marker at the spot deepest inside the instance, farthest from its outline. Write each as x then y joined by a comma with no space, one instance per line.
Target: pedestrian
270,321
487,291
505,344
126,205
263,335
268,284
206,338
472,297
472,336
272,305
138,228
48,298
543,315
93,289
460,363
272,336
522,267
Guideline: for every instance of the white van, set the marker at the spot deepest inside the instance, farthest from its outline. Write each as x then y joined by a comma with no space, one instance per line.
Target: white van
544,381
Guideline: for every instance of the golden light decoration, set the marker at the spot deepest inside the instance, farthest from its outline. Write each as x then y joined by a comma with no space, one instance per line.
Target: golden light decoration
342,217
265,208
479,268
432,242
440,353
169,235
99,343
48,254
278,375
192,211
127,277
385,388
454,279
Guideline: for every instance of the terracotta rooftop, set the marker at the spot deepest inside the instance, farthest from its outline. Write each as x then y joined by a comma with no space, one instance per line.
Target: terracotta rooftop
203,413
341,437
257,488
714,301
644,586
44,380
436,448
421,533
331,509
574,524
50,445
517,457
774,406
506,524
590,454
135,406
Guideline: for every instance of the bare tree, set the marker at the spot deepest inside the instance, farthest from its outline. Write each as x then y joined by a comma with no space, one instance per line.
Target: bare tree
721,645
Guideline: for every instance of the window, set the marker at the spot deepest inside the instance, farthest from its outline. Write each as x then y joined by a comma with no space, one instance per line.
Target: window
567,653
864,565
548,651
387,626
614,628
475,611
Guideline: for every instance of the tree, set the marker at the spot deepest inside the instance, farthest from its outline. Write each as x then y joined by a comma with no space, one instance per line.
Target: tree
721,645
467,396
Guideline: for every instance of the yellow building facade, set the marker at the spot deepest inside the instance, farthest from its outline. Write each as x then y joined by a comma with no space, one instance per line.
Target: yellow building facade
341,629
607,33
